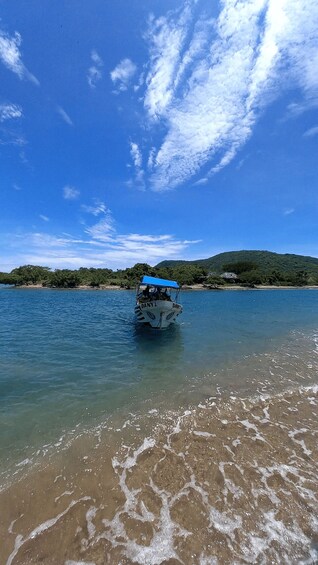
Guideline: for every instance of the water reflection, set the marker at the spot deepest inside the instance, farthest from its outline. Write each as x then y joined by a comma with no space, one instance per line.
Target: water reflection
146,338
159,354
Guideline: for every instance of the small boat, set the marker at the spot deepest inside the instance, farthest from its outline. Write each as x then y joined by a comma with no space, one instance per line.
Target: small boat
156,302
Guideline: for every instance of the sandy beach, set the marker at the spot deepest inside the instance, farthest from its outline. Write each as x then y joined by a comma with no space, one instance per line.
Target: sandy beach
184,287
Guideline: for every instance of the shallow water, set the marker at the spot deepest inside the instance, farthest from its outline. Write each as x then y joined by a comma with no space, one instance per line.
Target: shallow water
194,445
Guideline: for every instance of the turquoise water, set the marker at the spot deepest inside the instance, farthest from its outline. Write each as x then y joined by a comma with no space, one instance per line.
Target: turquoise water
69,358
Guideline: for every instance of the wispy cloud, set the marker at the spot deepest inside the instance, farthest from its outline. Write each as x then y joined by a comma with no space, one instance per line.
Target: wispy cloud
210,78
123,73
166,37
70,192
98,245
94,74
65,117
9,111
288,211
136,156
11,138
311,132
97,242
102,230
10,134
10,56
201,182
97,208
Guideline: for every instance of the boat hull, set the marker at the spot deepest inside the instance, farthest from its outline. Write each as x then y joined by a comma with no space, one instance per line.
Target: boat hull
159,314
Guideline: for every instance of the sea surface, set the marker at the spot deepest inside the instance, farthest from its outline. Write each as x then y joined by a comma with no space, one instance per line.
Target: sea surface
125,445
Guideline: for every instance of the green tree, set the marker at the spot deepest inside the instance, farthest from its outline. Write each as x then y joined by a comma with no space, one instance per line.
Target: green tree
8,278
189,274
215,280
94,277
298,279
64,278
250,278
275,277
240,267
164,273
31,274
134,274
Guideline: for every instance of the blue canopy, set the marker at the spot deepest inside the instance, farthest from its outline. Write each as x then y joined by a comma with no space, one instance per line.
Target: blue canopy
159,282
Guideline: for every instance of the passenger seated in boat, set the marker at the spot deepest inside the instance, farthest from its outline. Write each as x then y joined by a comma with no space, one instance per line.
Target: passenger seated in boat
162,295
165,295
155,294
146,292
144,295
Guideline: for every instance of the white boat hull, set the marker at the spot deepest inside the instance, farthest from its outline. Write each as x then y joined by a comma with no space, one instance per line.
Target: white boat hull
158,314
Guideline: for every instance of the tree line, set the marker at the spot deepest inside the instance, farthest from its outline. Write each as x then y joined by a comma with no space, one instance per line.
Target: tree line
247,273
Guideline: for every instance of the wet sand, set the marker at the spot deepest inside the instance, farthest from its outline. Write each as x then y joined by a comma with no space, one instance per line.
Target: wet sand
231,480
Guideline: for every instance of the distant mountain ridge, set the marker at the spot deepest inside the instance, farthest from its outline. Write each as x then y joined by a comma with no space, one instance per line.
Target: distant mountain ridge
265,260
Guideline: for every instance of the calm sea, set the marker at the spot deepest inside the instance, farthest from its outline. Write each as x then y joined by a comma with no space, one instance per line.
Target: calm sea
79,380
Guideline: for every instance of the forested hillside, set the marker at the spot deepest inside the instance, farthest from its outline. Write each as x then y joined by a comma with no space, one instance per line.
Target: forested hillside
249,267
265,261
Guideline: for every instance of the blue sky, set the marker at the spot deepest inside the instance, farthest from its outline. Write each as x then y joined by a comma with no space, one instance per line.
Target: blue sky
138,131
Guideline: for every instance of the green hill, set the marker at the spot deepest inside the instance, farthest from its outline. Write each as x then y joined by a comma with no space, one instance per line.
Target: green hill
264,262
250,267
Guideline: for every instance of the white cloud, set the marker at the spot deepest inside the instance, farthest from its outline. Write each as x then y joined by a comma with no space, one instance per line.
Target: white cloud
70,193
11,57
311,132
123,73
96,58
114,251
102,230
95,74
296,109
9,111
40,239
288,211
9,135
151,158
65,117
99,245
136,156
201,182
98,208
44,218
166,37
209,79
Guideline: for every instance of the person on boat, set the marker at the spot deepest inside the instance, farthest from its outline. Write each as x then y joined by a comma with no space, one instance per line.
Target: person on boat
165,294
146,292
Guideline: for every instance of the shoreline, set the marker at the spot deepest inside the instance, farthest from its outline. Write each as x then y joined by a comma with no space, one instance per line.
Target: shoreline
195,287
232,471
